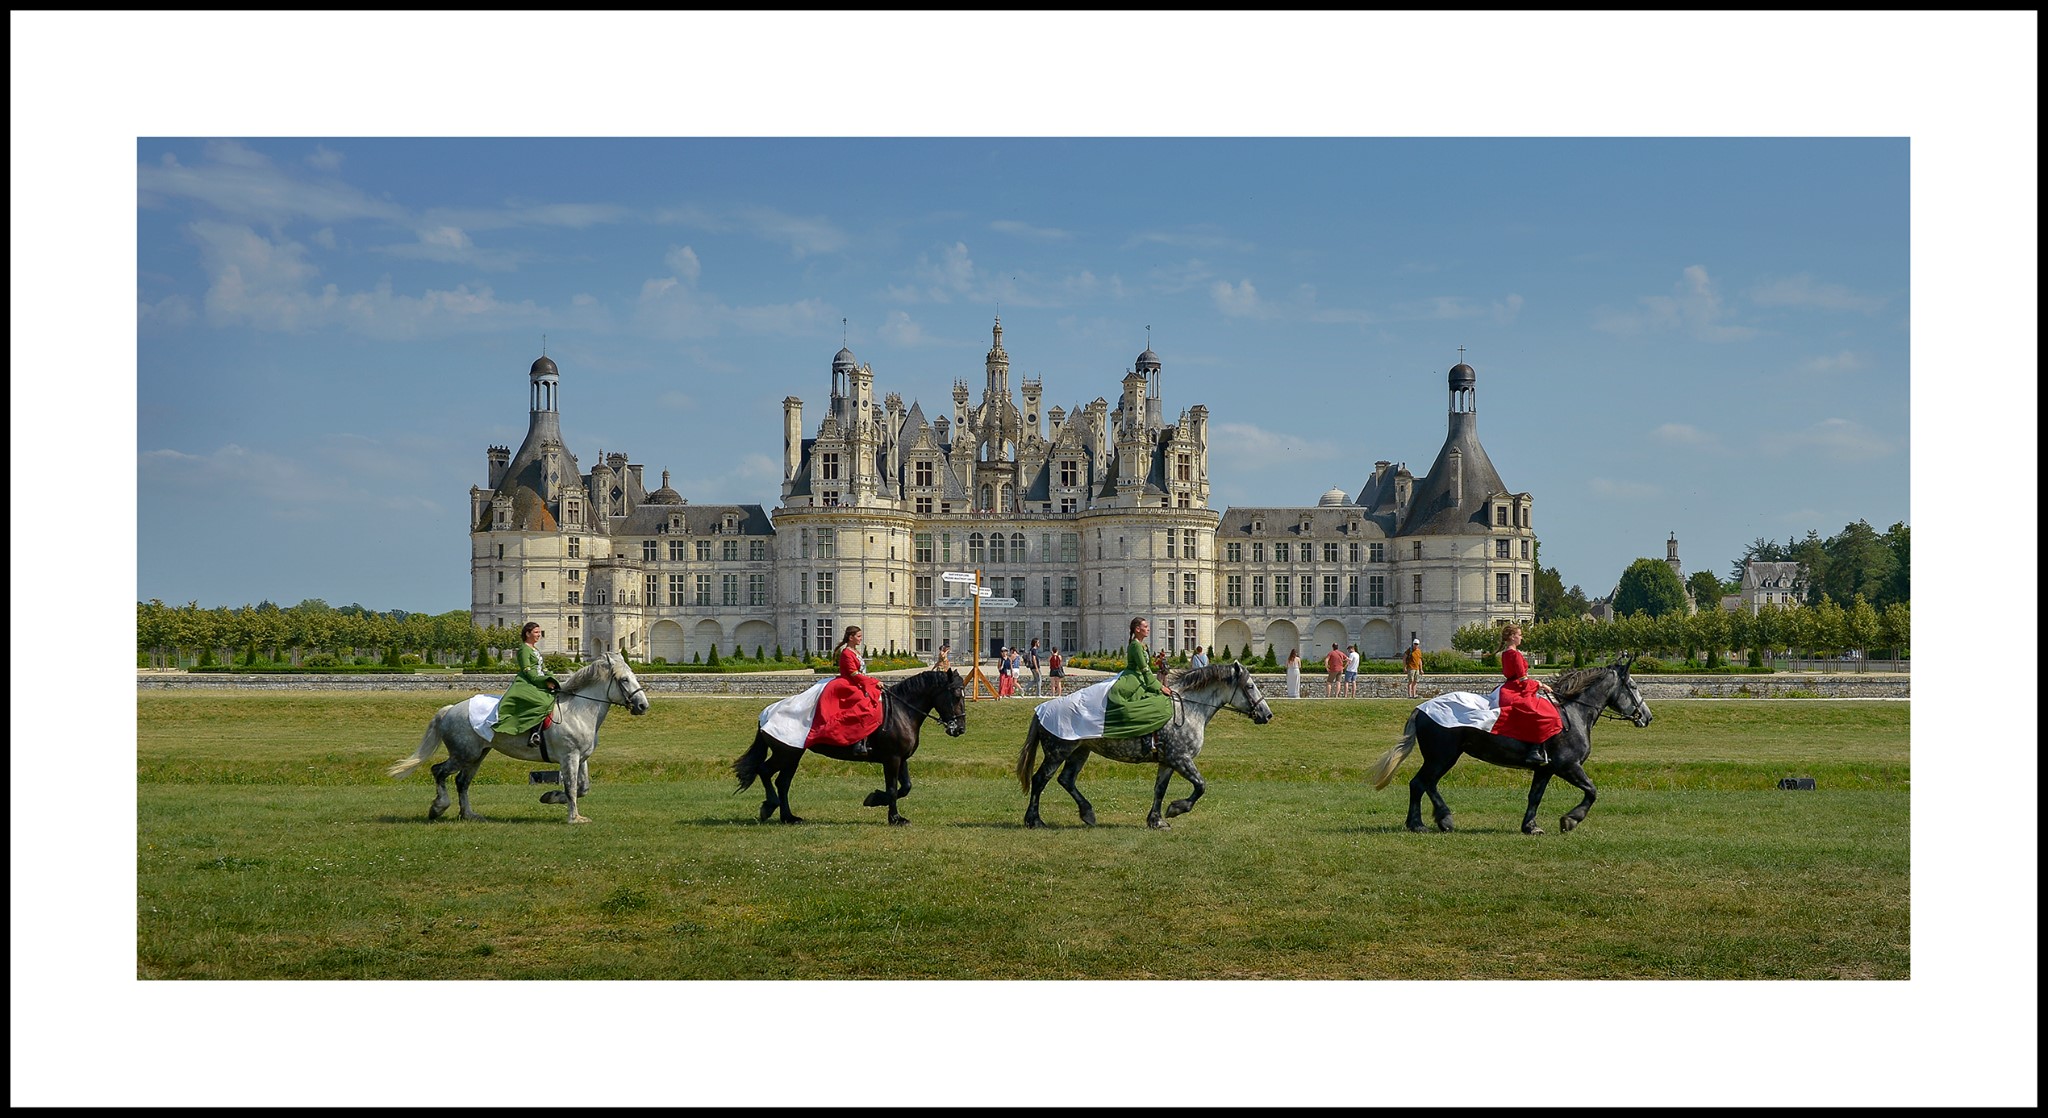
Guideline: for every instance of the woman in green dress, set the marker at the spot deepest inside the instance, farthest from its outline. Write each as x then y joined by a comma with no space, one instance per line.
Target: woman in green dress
1138,703
528,704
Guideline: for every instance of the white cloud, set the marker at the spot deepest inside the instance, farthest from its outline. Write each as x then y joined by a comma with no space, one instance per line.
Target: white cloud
683,261
1803,291
334,471
803,235
323,237
243,185
1835,440
1696,308
1241,301
512,215
1843,362
1193,240
1245,446
949,275
1683,435
324,158
171,310
669,309
1447,307
676,401
1020,229
900,330
1172,279
1624,490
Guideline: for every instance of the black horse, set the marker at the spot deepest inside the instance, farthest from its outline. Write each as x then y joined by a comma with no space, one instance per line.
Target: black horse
1587,695
905,706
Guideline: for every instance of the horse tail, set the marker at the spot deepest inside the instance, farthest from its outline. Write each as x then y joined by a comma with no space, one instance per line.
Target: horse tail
1383,769
749,764
1027,758
428,744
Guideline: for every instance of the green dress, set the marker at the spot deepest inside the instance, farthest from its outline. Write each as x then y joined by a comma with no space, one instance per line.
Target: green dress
528,700
1138,704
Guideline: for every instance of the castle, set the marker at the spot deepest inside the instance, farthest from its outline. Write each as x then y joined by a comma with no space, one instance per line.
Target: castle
1084,518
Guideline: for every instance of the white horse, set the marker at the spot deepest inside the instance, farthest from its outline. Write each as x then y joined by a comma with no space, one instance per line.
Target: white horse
580,706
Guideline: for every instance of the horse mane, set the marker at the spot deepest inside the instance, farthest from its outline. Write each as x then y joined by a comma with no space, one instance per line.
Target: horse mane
584,674
1184,678
1571,683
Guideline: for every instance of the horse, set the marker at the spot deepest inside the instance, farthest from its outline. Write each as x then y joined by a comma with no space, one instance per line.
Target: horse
905,706
1589,694
580,706
1200,693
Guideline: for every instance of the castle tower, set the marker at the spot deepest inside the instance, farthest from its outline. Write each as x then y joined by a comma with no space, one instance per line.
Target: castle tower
997,364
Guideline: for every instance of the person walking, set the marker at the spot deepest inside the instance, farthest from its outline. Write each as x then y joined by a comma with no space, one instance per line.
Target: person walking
1351,672
529,704
1006,674
1413,663
945,661
1057,666
1200,659
1031,662
1334,665
1294,674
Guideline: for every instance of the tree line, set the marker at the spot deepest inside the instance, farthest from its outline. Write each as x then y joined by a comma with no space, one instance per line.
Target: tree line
1823,629
170,636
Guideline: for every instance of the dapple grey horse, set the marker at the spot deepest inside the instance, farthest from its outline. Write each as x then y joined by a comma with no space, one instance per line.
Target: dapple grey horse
580,706
1201,693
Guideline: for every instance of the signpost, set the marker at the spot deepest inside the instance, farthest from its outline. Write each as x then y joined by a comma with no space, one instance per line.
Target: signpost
976,682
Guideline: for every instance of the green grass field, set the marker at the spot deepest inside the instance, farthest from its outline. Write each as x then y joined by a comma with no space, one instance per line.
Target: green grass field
271,845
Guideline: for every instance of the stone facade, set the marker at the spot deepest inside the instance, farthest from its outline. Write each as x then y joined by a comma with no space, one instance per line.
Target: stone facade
1086,517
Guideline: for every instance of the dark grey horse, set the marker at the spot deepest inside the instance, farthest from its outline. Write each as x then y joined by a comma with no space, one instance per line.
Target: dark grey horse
1201,693
905,705
1587,694
580,707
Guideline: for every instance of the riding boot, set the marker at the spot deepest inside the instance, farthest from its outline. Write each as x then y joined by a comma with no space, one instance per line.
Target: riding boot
860,748
1536,758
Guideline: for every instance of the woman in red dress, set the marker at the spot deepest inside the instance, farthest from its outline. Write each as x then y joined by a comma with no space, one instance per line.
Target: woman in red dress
850,707
1526,712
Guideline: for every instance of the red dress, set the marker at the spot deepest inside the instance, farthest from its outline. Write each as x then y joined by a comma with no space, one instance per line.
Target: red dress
1525,714
850,707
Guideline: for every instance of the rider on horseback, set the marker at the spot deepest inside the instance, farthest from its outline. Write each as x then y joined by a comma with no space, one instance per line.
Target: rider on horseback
529,703
1139,704
850,707
1523,715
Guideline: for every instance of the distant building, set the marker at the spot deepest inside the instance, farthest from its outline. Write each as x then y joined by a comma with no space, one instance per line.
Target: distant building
1086,518
1779,583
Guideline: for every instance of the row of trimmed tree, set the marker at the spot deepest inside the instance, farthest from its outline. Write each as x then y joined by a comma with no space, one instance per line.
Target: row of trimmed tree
1824,629
177,636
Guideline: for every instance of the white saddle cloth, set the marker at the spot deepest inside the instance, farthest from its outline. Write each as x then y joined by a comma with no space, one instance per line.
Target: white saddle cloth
1464,708
483,714
789,720
1077,714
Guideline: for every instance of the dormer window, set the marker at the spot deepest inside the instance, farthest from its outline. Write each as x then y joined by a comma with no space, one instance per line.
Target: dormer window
1500,516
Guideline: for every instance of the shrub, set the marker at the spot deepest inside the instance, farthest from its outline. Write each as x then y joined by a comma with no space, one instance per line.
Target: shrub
1756,657
1271,660
711,657
757,653
322,660
557,664
408,660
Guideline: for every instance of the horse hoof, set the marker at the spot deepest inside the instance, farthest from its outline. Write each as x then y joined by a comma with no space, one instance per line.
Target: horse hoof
1532,829
579,819
1418,828
1159,824
900,821
1567,823
1443,825
1033,821
435,811
767,812
554,796
1178,807
875,799
791,819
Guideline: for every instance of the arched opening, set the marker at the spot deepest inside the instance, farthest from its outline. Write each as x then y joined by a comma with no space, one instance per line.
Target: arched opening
665,642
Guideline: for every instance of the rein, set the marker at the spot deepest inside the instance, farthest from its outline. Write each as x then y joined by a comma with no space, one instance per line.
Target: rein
1180,698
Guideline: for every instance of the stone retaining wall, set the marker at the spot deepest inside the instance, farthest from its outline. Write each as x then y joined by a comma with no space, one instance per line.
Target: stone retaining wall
1824,685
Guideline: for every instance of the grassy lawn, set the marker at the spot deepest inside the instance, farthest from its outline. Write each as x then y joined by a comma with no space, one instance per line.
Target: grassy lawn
270,845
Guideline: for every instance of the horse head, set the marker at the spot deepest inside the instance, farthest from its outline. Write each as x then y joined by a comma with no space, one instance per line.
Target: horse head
947,692
632,696
1244,687
1626,700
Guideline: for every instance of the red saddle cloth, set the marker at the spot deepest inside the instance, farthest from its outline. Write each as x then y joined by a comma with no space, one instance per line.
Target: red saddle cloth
849,710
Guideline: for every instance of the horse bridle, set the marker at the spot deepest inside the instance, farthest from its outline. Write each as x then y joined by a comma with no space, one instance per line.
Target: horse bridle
1242,688
638,692
928,711
1635,699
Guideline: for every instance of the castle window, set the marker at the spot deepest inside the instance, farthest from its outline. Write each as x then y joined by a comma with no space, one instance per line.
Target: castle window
1525,588
1376,552
757,590
1329,590
729,590
1187,589
703,590
1376,590
1258,590
1354,553
703,551
575,575
678,594
1067,504
1500,588
921,590
575,643
1017,547
1070,590
924,506
1500,550
1525,549
977,548
651,585
828,467
730,551
1418,549
921,472
1283,552
996,544
1330,553
1233,552
649,551
828,543
575,545
1184,467
1187,542
1351,591
1283,590
830,498
827,586
1500,515
575,621
732,523
1183,501
757,550
921,547
1258,552
1170,550
1418,582
1070,472
1070,547
1233,590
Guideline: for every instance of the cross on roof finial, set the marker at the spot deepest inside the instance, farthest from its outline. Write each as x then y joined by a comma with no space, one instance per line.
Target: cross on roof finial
842,333
543,345
1461,355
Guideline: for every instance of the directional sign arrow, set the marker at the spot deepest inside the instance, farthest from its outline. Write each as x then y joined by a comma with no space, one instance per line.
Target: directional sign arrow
982,592
957,576
998,603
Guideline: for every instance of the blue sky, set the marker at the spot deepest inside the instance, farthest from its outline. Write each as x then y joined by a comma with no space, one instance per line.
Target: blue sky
1667,331
1788,258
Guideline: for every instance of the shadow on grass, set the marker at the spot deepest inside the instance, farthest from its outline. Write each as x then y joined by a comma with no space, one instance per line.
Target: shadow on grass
451,820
